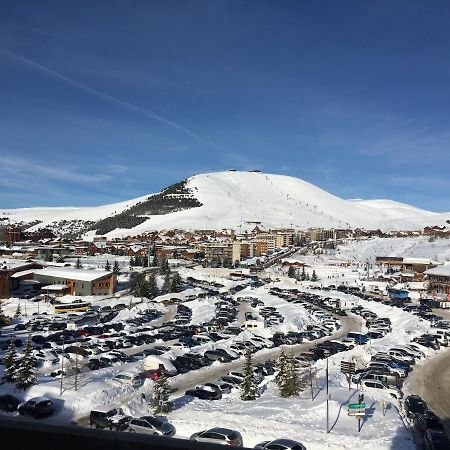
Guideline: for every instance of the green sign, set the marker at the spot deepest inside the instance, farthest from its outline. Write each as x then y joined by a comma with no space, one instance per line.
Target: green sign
356,406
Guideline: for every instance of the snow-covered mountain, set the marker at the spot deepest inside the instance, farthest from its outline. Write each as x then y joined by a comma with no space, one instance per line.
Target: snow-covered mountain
234,198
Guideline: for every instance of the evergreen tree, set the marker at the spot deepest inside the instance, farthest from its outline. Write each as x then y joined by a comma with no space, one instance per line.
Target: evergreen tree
307,277
293,386
177,282
116,268
152,287
155,260
25,374
291,272
281,376
249,387
314,276
10,363
107,265
78,264
18,312
167,284
163,265
303,276
160,397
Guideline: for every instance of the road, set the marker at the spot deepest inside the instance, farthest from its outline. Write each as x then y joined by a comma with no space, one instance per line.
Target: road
432,382
191,379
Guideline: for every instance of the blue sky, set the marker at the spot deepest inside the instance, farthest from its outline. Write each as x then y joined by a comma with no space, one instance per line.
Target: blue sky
101,101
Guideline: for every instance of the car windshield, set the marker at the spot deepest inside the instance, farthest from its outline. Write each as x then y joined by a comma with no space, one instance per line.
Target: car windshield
154,421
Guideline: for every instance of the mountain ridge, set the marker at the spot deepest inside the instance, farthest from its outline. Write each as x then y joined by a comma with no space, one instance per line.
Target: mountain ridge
231,199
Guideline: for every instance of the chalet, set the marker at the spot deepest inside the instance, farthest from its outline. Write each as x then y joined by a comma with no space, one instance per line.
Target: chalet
439,279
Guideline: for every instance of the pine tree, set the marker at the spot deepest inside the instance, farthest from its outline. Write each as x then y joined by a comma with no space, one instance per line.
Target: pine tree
249,387
160,397
291,272
314,276
167,284
10,363
292,386
281,376
303,277
78,264
107,265
116,268
25,374
152,287
177,282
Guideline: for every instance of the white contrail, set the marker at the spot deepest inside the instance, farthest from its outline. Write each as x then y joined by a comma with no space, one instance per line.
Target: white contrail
109,98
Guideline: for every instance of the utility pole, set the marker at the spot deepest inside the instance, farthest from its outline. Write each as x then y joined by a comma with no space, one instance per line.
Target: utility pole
62,367
328,402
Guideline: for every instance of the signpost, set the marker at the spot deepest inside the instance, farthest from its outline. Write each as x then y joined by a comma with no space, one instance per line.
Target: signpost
348,368
358,410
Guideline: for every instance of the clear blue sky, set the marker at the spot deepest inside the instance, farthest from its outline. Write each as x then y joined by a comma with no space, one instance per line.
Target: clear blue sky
101,101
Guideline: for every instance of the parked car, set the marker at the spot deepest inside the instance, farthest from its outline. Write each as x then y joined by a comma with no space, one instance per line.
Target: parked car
374,385
435,440
414,406
8,403
36,407
129,379
114,419
219,435
280,444
205,392
151,425
427,421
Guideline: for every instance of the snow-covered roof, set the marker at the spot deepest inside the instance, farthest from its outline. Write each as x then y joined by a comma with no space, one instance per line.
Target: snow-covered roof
439,271
13,264
23,273
55,287
74,274
417,261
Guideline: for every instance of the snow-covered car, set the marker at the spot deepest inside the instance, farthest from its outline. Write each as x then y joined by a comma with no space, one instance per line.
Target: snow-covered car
378,386
36,407
114,419
129,379
151,425
204,392
280,444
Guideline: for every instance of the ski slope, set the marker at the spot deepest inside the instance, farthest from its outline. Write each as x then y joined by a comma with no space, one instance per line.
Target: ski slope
233,199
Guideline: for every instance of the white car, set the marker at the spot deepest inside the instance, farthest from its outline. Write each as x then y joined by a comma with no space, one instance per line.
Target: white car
378,386
129,379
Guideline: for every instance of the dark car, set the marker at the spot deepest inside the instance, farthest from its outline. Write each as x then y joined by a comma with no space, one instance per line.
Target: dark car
36,407
427,421
114,419
8,403
415,406
435,440
205,393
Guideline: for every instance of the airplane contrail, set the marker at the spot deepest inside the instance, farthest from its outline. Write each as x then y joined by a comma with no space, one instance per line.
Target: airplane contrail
108,98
